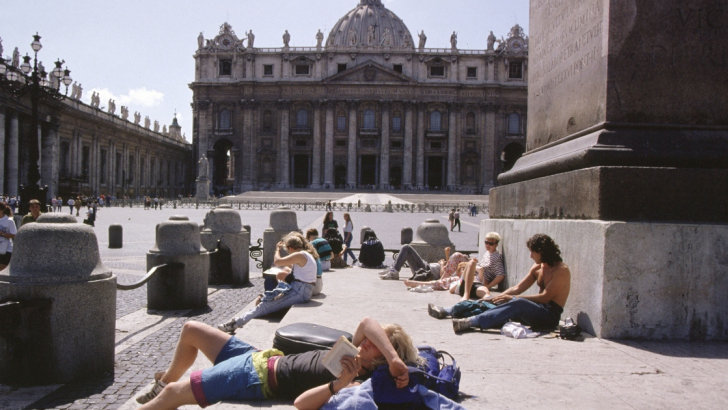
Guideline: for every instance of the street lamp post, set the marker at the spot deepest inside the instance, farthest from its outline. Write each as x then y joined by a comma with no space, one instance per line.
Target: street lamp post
37,88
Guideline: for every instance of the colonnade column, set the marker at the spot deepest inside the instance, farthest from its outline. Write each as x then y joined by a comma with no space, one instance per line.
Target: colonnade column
452,147
247,148
485,152
351,170
408,125
421,110
13,145
385,148
2,149
316,159
329,146
492,156
283,160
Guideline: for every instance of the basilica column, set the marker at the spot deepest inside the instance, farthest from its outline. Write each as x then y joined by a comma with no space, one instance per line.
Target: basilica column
385,148
452,147
2,149
408,129
204,126
247,150
283,156
492,155
13,146
351,169
329,146
421,110
316,160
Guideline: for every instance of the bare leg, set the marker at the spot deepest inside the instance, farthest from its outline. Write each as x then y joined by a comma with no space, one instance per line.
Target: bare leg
195,337
173,396
468,279
447,253
414,283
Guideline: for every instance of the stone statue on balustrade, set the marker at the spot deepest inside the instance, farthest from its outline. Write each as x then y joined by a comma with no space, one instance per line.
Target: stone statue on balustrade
286,39
491,41
200,41
203,166
319,39
79,92
454,40
251,38
1,47
124,112
164,129
156,126
55,83
353,39
147,123
112,107
41,67
407,39
386,38
423,40
137,117
96,100
16,58
371,36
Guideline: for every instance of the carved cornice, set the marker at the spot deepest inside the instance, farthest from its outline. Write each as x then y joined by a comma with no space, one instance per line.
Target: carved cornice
385,104
203,104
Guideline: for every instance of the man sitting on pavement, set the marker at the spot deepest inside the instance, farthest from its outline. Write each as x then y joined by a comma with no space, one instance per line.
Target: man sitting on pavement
34,213
322,248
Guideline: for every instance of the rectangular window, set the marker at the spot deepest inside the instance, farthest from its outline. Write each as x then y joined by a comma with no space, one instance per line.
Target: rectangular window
85,159
398,68
470,145
340,143
396,144
472,72
266,143
369,143
102,166
302,69
268,70
301,143
435,145
397,124
515,70
226,67
341,67
437,71
341,123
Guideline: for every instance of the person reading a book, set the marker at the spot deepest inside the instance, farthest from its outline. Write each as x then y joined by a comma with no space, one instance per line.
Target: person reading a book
301,259
242,372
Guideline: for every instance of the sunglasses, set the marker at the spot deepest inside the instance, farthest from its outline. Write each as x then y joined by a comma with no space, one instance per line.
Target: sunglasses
491,243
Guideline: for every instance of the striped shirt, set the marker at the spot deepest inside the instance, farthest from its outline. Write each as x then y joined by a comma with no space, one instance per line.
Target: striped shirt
492,264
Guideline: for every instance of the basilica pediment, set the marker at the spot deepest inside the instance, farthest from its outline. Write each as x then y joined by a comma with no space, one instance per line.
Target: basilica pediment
369,72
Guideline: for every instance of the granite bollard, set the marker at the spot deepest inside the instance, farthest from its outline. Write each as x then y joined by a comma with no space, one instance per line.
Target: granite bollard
116,236
282,222
66,305
186,288
223,225
431,239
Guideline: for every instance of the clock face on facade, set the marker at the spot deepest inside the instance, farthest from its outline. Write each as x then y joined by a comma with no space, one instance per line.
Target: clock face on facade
516,45
226,42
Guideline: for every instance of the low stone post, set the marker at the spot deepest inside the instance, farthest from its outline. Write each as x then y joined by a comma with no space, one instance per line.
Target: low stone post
223,224
282,222
63,325
431,239
406,236
116,236
185,288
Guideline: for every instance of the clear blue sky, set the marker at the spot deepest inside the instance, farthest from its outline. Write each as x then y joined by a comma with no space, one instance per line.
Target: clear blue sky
140,52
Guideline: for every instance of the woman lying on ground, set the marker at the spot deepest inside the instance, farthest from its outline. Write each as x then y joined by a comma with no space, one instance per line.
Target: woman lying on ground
301,260
241,372
540,311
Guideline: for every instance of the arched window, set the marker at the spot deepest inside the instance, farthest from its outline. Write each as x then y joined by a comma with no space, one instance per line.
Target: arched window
469,170
267,166
302,119
267,120
397,122
435,121
224,120
369,121
470,122
341,121
514,123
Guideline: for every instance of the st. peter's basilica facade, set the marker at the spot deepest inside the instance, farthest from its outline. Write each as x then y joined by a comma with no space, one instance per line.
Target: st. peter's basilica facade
369,107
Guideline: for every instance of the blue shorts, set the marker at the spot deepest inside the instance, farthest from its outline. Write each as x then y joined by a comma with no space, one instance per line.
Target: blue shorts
233,377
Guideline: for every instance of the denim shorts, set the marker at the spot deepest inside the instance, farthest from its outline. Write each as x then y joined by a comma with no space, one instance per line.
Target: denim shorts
233,377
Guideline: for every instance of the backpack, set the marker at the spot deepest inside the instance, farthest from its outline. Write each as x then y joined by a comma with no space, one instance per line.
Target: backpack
438,377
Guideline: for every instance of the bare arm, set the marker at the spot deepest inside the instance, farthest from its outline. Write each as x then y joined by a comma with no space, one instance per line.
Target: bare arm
372,330
289,260
318,396
559,283
521,287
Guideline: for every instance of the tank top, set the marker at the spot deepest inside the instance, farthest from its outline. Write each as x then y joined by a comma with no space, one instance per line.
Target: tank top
307,273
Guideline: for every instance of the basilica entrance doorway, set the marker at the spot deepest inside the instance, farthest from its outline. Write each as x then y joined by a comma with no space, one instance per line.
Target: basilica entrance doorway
368,170
301,171
223,167
340,177
434,172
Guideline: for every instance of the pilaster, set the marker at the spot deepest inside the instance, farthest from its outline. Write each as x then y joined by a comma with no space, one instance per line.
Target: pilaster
351,168
284,158
408,130
316,160
421,110
329,146
452,156
385,146
248,148
489,143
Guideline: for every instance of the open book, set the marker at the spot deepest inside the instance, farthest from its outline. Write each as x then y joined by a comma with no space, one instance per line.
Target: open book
332,360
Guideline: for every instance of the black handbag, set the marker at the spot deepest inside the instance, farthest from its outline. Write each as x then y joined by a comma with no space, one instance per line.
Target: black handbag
305,337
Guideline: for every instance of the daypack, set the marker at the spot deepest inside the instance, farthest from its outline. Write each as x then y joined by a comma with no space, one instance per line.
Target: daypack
468,308
435,376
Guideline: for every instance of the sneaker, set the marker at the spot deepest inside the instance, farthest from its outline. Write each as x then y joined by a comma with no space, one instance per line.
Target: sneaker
385,272
391,275
146,398
228,327
422,289
436,311
460,325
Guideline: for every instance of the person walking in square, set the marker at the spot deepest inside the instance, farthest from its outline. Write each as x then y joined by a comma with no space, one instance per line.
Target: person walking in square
348,237
451,218
456,218
71,204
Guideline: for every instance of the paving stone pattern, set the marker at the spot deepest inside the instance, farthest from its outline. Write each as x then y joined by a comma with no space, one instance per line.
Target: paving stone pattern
128,301
134,367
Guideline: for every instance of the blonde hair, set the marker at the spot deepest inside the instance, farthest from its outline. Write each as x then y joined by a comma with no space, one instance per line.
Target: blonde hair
297,241
494,236
402,343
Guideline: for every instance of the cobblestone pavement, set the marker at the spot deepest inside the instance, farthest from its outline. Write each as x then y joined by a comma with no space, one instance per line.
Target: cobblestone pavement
134,366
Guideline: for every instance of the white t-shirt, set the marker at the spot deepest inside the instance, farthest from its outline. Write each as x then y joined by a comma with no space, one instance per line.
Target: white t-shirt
7,225
349,227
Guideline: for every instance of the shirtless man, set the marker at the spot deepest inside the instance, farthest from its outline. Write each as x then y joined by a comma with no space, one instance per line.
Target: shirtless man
540,311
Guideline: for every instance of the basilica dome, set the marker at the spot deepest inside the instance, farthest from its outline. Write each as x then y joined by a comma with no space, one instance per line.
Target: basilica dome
370,24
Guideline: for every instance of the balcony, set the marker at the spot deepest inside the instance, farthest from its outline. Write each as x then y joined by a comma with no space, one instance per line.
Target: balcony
436,134
369,131
220,131
301,132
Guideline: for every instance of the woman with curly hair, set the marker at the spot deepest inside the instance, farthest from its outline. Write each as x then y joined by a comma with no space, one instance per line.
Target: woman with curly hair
540,311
